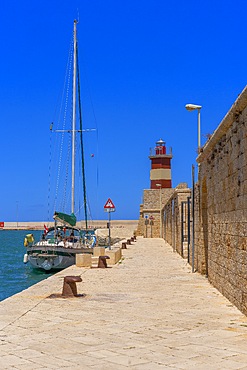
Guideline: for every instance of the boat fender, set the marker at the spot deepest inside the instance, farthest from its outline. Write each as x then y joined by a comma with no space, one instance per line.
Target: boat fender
28,239
94,241
25,258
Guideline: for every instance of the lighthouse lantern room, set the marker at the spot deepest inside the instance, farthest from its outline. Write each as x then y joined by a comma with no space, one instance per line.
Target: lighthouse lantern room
160,174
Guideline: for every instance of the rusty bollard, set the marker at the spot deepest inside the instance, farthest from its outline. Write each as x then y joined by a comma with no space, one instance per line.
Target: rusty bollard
102,262
124,246
128,242
69,286
132,239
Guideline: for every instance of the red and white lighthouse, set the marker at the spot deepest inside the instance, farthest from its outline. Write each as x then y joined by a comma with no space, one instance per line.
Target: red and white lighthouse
160,174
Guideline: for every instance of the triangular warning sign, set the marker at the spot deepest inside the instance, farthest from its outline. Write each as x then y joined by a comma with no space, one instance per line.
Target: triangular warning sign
109,204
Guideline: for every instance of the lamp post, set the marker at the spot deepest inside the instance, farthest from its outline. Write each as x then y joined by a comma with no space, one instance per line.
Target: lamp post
160,186
191,107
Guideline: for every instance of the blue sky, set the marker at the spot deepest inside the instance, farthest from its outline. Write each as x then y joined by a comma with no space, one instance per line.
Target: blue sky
141,62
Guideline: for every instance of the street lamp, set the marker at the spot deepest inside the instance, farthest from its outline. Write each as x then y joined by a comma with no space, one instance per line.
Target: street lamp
159,186
191,107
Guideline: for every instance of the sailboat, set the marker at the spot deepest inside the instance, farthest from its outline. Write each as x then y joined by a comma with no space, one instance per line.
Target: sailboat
60,243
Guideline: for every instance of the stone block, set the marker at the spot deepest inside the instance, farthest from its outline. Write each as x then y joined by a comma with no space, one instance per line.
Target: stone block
99,251
114,254
83,260
94,261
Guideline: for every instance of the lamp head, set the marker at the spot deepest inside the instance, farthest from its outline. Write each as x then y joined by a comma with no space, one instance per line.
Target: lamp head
193,107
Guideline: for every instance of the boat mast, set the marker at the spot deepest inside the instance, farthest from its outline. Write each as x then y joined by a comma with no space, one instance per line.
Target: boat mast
74,122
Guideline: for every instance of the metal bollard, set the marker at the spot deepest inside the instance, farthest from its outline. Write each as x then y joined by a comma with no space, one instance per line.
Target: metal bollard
128,242
69,286
102,262
132,239
124,246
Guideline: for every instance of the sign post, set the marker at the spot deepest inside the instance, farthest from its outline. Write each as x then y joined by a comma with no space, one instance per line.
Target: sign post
109,207
151,221
146,225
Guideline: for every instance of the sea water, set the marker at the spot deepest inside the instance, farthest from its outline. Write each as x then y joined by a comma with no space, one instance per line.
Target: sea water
16,276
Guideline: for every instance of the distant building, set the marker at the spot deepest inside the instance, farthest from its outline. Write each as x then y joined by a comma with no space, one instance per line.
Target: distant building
160,174
154,199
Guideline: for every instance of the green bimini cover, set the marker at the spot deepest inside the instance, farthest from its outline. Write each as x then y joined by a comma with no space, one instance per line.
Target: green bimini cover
64,218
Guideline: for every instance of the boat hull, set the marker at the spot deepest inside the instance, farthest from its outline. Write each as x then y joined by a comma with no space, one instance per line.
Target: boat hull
58,247
51,263
54,258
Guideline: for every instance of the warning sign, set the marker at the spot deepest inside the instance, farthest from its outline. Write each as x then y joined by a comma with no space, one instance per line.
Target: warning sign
109,206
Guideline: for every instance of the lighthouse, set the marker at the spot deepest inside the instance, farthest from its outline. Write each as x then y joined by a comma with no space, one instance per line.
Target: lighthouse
160,174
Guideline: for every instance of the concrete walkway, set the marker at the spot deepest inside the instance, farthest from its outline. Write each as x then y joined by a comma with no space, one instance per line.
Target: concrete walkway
149,312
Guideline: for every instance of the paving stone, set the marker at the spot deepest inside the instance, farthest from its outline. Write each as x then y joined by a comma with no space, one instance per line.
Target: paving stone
149,312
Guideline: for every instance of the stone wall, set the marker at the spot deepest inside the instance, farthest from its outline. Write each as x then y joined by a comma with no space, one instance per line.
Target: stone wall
221,206
149,224
201,257
160,203
172,212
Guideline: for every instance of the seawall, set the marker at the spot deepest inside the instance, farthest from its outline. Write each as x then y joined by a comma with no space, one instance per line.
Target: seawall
38,225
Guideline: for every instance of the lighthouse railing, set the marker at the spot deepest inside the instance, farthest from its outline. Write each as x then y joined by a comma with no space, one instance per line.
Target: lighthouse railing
158,151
